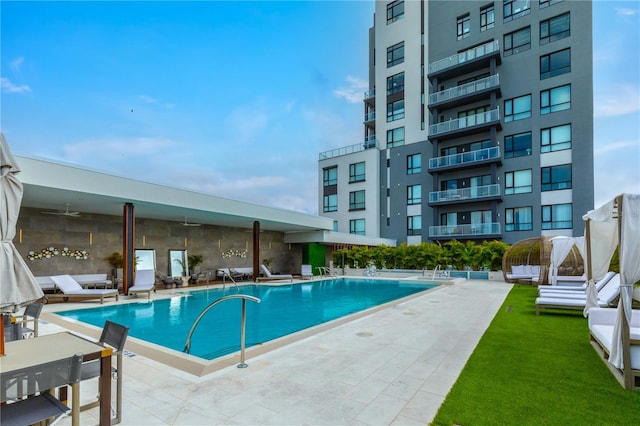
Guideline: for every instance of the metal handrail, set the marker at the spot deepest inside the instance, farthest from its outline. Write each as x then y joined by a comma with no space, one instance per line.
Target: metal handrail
244,297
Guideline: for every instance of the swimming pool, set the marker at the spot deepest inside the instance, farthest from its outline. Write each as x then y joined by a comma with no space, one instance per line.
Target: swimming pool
284,309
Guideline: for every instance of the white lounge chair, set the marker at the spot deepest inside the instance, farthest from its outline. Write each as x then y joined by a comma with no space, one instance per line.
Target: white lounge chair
609,293
306,272
145,282
558,289
268,276
70,288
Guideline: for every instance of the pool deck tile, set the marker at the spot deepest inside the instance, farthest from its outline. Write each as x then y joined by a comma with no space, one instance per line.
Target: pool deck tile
393,367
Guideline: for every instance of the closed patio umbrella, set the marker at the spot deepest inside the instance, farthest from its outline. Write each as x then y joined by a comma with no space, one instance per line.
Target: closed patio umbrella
17,284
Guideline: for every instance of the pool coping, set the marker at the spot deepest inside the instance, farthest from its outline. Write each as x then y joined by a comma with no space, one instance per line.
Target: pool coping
201,367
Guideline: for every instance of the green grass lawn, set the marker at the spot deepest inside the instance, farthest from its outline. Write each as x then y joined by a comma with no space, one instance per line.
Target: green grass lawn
537,370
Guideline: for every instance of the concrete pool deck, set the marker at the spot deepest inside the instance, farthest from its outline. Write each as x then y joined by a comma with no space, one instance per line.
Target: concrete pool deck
393,366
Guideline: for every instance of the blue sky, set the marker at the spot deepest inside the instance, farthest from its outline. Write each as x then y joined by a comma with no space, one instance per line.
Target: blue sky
238,98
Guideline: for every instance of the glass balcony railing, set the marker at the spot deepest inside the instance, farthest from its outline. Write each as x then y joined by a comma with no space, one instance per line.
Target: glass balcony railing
462,57
464,158
370,116
467,231
465,89
369,142
464,122
465,194
370,94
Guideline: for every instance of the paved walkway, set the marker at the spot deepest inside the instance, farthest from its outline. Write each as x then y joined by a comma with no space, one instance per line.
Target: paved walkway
393,367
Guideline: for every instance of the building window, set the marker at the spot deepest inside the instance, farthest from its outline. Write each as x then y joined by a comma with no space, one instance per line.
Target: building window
556,63
356,200
463,26
517,145
395,110
518,219
414,194
518,182
330,203
395,54
555,138
556,177
517,108
357,172
330,176
557,216
395,11
414,164
487,17
357,226
513,9
546,3
395,137
414,225
517,41
395,83
555,100
555,28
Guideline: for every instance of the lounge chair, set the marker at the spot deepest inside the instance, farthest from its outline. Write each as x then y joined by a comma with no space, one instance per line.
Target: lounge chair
558,289
70,288
606,297
306,272
145,282
268,276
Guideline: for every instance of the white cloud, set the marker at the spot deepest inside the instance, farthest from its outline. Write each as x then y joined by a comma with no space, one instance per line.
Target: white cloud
614,100
9,87
625,11
16,64
354,92
616,146
103,151
147,99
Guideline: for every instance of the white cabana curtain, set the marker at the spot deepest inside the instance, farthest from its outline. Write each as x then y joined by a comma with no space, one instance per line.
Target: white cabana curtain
602,230
629,269
560,249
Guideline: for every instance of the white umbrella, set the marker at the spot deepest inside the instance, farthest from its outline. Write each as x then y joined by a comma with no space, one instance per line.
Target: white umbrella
17,284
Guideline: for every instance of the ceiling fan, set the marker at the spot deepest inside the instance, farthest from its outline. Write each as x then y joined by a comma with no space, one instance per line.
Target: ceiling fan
185,223
66,212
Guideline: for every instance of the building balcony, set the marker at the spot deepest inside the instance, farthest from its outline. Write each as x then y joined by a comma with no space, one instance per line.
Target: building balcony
369,143
466,195
465,93
370,97
465,232
458,127
465,62
369,117
466,159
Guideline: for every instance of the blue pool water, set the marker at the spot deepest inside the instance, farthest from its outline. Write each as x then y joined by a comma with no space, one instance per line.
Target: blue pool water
284,309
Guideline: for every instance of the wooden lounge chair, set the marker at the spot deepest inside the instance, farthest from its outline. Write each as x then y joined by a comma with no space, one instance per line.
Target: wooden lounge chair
606,297
145,282
268,276
550,290
70,288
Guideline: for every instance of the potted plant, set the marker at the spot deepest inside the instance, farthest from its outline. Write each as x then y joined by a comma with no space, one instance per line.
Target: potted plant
195,260
116,260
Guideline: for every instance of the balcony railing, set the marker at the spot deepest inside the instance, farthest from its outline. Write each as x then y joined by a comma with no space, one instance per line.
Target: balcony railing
465,89
462,57
369,142
370,116
468,231
370,94
465,194
464,122
465,158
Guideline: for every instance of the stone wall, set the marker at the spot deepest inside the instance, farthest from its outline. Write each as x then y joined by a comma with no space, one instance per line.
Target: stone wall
101,235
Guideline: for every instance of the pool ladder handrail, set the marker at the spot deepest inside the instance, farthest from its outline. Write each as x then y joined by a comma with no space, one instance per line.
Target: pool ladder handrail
244,297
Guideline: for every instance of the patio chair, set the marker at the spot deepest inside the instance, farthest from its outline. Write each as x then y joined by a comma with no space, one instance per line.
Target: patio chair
268,276
31,314
606,297
144,282
306,272
44,406
70,288
114,335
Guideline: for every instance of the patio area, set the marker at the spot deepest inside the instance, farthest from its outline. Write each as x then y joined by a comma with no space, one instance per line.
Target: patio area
394,366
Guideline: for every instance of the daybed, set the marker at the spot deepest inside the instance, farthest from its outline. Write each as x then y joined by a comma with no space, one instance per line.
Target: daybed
601,323
268,276
85,280
70,288
525,273
606,297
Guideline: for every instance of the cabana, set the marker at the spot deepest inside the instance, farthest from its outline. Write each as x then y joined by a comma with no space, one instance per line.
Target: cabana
616,224
525,257
563,248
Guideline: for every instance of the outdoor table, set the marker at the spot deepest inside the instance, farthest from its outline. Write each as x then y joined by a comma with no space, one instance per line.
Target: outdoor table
28,354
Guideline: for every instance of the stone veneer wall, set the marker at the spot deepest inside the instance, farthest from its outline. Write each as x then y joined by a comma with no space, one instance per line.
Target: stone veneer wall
101,235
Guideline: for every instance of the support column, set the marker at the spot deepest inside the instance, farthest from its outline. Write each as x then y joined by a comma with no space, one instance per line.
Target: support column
128,251
256,250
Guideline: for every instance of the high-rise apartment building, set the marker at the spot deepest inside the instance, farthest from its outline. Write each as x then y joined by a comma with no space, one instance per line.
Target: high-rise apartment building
478,124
